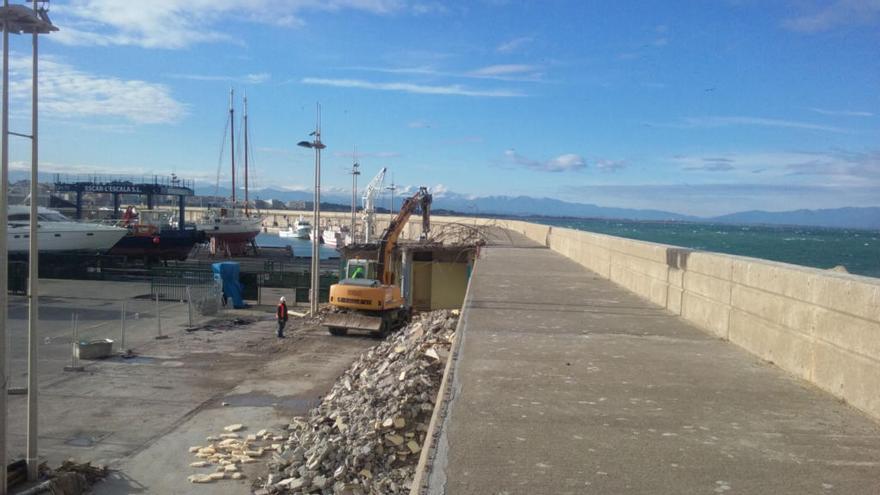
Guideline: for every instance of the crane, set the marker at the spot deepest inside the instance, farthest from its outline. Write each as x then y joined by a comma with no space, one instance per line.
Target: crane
367,299
369,201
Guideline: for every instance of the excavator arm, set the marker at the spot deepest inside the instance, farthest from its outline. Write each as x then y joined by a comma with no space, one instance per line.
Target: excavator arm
418,201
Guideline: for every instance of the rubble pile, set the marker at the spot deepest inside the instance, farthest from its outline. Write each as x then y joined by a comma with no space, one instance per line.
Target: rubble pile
366,435
227,451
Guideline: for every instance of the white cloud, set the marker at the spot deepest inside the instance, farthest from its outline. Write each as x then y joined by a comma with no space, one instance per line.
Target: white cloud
500,72
514,44
563,163
610,166
835,167
366,154
726,121
71,93
180,23
450,89
419,124
257,78
507,71
838,14
843,113
92,169
439,191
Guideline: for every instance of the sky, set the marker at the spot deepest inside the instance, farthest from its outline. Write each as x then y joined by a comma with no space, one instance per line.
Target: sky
702,107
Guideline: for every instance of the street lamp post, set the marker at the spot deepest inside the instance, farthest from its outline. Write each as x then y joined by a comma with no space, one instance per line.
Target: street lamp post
20,19
354,173
317,145
392,188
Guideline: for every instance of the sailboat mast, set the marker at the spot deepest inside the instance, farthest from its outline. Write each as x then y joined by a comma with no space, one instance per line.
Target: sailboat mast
246,203
232,139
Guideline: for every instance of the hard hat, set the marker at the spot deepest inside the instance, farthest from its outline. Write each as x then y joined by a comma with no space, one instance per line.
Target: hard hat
282,299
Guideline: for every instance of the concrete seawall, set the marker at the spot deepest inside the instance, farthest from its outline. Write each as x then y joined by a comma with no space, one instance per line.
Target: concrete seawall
822,326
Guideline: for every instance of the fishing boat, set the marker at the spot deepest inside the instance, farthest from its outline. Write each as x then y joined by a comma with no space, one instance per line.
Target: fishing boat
336,236
154,236
231,230
57,233
300,230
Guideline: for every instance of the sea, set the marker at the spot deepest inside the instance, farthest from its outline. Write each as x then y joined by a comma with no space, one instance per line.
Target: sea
301,247
857,250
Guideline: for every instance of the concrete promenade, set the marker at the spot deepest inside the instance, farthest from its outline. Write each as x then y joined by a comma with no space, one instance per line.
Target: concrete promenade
566,383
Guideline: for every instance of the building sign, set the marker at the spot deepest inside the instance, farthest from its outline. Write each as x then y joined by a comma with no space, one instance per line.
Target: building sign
122,188
114,188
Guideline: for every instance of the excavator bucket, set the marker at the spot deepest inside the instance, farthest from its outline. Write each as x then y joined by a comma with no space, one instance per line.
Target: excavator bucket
353,321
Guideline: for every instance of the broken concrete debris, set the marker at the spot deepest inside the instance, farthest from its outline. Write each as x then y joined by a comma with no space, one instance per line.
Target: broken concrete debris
228,451
366,435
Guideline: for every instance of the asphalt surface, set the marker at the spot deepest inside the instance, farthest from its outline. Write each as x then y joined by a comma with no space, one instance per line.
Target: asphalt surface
139,416
569,384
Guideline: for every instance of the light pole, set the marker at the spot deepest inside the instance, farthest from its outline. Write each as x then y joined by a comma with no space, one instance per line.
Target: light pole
392,188
354,173
20,19
317,145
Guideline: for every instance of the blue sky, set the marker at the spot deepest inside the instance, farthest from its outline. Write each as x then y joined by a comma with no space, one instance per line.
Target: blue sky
699,107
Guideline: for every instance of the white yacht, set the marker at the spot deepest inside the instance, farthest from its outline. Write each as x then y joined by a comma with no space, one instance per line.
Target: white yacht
300,230
336,236
57,233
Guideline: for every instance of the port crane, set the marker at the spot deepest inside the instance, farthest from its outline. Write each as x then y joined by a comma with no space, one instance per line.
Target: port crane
369,201
367,298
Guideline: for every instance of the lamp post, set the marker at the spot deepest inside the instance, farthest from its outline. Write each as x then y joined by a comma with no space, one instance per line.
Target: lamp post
317,145
20,19
392,188
354,173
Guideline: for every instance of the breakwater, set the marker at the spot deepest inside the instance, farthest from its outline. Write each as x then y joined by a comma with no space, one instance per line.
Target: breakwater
821,326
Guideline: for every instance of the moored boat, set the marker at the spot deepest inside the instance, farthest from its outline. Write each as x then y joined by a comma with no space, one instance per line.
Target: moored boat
57,233
302,229
151,236
232,230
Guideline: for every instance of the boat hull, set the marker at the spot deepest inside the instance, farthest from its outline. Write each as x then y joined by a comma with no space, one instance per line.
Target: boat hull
64,241
165,245
232,230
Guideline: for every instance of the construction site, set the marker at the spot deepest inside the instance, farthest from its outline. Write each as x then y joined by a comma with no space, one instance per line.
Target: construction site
575,332
144,375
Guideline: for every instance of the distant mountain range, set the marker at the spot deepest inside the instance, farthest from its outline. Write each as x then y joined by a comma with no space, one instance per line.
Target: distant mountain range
525,206
849,217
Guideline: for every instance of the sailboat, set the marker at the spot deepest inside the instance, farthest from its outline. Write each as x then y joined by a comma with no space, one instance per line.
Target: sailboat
230,229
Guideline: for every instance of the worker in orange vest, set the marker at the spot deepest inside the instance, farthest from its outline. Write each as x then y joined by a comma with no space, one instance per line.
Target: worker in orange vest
281,316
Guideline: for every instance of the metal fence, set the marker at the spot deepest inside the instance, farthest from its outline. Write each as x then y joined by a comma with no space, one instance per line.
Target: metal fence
172,284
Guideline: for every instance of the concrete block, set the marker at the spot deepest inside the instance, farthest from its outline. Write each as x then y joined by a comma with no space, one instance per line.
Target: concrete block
707,286
714,265
674,299
794,314
778,278
708,314
791,351
850,333
859,296
849,376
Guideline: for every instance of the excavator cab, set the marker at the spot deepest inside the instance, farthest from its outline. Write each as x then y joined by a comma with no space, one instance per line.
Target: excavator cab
361,270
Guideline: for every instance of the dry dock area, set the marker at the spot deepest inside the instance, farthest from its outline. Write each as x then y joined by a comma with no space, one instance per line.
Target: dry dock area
566,383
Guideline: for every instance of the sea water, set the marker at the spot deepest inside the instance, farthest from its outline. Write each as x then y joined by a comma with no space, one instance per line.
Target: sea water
301,247
857,250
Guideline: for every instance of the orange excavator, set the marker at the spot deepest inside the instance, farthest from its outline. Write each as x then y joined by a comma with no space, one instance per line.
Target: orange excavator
367,298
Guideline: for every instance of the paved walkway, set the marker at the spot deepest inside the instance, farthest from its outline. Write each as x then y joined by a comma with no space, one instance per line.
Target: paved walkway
569,384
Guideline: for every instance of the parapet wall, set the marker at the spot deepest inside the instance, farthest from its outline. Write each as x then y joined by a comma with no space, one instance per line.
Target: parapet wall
822,326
